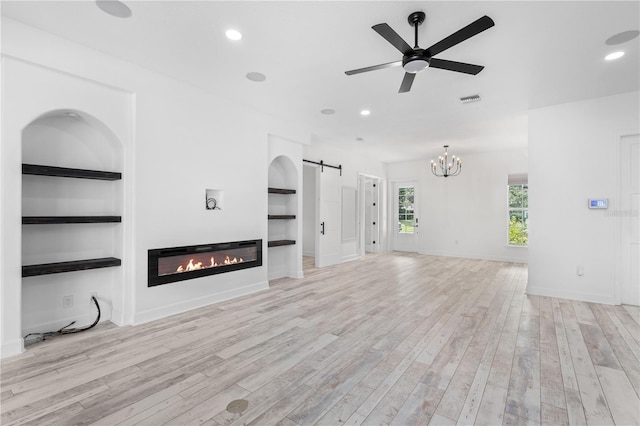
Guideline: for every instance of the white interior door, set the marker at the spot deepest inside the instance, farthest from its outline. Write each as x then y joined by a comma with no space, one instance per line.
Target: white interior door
328,217
405,225
371,215
630,219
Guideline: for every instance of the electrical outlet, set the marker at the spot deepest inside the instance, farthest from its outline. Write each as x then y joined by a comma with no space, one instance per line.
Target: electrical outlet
92,294
67,302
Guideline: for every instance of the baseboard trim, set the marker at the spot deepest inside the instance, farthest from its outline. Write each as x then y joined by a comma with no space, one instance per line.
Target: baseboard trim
571,295
188,305
349,258
274,274
12,348
475,256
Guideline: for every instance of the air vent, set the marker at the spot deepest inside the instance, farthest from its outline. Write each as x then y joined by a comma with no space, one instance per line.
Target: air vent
469,99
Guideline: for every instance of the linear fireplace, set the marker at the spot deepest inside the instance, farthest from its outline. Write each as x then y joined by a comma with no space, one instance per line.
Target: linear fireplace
169,265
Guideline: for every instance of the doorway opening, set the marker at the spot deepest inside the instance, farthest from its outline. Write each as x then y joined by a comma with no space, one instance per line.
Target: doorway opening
405,217
370,214
322,214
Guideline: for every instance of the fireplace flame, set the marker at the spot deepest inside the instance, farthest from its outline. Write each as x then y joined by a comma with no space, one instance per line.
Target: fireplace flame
191,266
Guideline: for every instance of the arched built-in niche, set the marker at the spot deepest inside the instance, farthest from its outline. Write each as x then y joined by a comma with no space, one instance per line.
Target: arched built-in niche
283,218
71,213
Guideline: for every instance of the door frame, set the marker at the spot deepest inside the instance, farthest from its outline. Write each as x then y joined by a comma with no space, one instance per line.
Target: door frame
362,177
618,279
319,262
393,217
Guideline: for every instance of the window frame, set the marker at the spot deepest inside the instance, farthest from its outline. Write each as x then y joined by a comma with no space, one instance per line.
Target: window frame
523,210
406,213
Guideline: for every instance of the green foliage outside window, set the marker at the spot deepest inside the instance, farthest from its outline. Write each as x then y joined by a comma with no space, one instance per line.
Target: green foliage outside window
517,233
405,209
518,215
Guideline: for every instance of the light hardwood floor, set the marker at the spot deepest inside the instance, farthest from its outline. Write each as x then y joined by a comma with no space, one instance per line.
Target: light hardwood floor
395,339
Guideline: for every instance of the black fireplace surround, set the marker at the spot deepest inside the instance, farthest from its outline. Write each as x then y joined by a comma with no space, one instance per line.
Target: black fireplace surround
169,265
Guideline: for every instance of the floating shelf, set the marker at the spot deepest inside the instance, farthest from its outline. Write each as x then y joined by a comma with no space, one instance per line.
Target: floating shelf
50,220
282,216
281,191
278,243
39,170
75,265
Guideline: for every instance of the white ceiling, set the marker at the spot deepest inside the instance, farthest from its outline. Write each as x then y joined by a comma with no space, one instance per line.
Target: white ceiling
538,54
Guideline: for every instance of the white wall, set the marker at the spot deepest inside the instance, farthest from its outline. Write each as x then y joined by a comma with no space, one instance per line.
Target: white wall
29,92
464,215
573,157
353,162
183,141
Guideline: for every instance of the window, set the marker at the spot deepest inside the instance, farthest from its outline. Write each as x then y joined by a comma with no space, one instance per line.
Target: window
518,187
405,210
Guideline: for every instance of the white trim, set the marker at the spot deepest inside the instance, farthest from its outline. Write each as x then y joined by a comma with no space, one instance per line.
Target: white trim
394,216
187,305
380,235
519,209
276,272
564,294
477,256
350,258
617,236
11,348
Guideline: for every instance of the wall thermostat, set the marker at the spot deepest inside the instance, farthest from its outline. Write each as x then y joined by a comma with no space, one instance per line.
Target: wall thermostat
598,203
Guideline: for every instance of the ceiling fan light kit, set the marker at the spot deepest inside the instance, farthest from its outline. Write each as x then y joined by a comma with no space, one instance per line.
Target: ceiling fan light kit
415,59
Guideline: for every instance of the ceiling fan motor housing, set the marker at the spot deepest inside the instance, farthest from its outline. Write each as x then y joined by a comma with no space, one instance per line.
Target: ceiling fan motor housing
415,62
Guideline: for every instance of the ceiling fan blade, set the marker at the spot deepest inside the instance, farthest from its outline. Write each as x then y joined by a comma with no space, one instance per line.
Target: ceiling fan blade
392,37
374,67
461,35
455,66
407,81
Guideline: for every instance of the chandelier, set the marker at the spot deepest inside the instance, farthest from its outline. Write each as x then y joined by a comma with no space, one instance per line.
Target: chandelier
444,168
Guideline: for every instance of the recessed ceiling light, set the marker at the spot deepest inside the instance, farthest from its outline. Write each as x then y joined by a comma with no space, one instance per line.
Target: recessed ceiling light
622,37
327,111
614,55
114,8
233,35
256,76
365,112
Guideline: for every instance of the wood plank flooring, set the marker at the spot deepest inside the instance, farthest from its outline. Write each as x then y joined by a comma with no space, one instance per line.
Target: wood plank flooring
395,339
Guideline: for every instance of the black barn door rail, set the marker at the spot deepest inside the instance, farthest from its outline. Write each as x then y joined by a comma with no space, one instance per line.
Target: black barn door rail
322,165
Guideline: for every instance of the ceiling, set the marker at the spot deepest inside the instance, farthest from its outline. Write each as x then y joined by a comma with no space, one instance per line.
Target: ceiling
538,54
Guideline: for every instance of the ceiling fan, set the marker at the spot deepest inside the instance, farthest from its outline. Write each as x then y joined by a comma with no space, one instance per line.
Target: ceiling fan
416,59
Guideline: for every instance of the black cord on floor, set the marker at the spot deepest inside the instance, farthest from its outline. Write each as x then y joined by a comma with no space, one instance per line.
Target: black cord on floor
64,330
